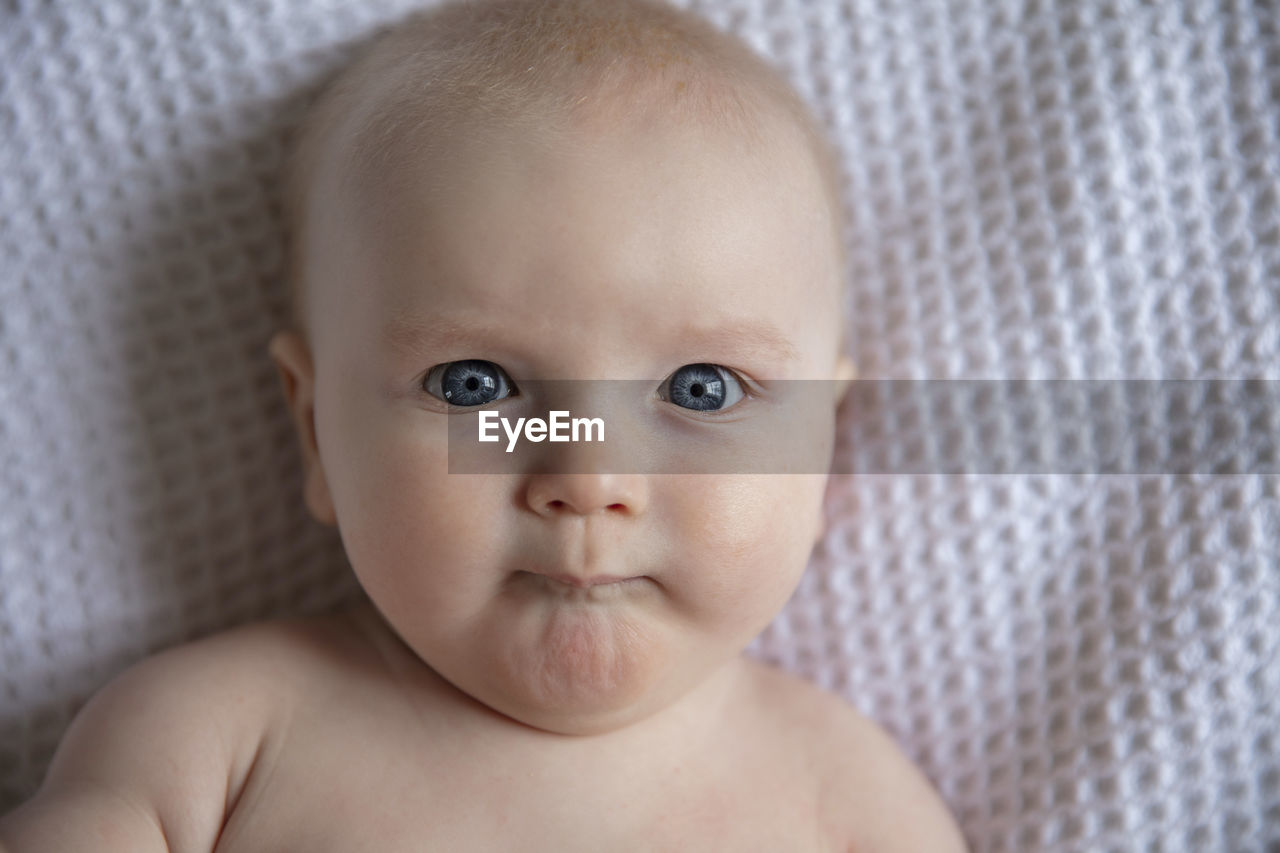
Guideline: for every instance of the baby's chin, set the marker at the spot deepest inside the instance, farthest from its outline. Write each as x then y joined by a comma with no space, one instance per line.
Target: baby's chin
577,667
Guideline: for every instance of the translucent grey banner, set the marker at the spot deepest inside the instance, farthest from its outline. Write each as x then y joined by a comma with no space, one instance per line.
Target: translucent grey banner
886,427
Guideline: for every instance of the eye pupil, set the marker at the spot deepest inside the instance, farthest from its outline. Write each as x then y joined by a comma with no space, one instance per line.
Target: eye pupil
472,383
696,389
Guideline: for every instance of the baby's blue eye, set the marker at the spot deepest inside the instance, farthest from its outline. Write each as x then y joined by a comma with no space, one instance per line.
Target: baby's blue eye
702,387
473,382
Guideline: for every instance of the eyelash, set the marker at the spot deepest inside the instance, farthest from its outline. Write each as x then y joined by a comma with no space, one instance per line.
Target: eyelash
436,375
743,390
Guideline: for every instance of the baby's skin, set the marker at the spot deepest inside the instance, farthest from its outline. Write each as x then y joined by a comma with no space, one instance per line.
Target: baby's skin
329,734
545,661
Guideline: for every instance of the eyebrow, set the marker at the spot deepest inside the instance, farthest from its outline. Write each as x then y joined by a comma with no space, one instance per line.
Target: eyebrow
744,338
410,334
741,336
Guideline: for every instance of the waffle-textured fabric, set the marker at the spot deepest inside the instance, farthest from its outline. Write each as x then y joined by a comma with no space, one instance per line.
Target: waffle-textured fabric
1034,189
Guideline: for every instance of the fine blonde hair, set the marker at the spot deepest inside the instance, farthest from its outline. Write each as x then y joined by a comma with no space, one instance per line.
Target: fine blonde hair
527,65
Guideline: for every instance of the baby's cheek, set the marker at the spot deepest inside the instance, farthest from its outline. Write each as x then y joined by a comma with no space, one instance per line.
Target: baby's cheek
404,514
746,538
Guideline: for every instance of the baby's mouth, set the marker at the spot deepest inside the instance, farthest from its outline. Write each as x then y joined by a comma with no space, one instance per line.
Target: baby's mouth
581,585
585,581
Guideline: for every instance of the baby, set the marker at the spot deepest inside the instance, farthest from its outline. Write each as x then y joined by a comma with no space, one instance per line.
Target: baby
491,195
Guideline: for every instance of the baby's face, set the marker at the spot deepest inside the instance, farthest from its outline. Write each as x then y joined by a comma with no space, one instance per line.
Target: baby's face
619,253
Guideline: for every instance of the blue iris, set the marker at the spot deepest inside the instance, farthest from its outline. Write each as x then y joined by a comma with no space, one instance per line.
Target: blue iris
700,387
473,382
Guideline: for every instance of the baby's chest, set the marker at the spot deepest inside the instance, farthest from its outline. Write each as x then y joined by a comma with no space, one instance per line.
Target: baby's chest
344,796
358,824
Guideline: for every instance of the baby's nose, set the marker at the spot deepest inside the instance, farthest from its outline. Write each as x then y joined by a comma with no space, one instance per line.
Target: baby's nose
553,494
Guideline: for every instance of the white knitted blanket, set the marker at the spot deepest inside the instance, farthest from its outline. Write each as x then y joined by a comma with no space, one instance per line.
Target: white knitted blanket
1069,190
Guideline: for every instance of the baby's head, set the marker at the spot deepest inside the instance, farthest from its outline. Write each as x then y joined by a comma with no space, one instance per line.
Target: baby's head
505,192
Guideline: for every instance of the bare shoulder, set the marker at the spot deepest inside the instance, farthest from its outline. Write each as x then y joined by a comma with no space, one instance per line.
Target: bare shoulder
157,757
873,797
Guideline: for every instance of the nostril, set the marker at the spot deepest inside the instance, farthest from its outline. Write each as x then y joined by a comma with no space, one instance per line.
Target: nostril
556,504
616,506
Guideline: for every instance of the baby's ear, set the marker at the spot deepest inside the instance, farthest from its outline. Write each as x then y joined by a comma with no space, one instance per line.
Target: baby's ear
846,371
292,357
